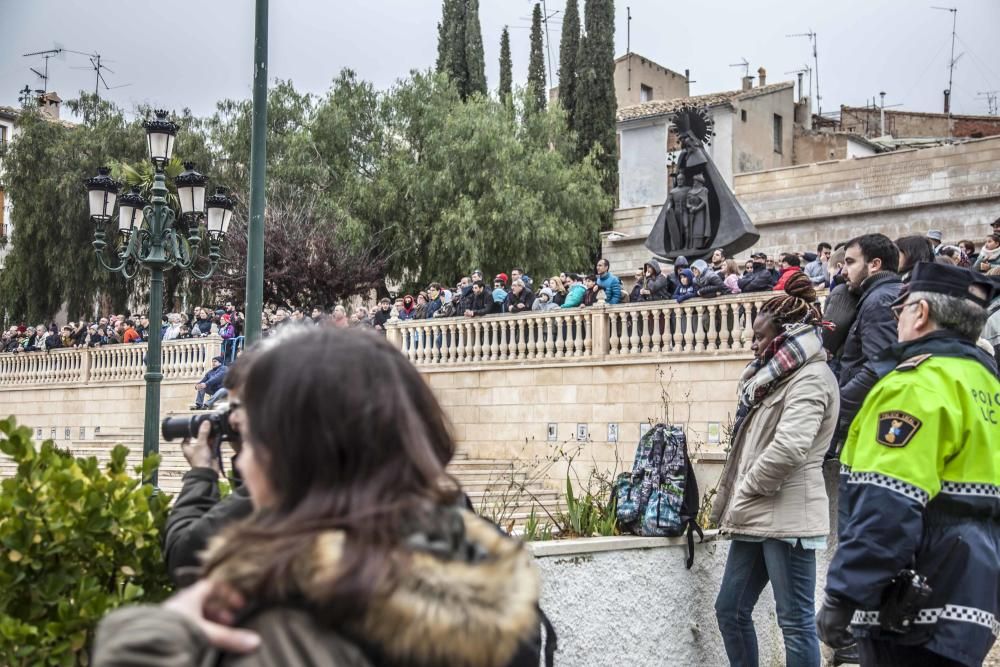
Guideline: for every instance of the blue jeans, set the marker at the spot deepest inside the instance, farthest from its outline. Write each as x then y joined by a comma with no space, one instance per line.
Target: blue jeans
199,398
792,573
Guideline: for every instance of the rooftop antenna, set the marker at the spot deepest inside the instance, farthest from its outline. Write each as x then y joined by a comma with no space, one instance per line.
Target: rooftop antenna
24,96
951,62
745,65
991,100
548,42
628,44
99,69
813,39
44,74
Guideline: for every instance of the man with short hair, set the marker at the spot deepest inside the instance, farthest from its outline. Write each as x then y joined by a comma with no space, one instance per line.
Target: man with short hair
481,302
608,282
817,269
211,384
918,489
871,262
760,279
518,274
434,302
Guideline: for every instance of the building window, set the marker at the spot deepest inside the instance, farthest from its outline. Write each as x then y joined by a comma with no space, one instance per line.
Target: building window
777,133
743,115
645,93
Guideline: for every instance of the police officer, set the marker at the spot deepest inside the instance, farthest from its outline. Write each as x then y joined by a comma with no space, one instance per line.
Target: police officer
920,489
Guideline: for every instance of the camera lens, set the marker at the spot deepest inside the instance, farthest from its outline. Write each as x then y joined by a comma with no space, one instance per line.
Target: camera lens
182,427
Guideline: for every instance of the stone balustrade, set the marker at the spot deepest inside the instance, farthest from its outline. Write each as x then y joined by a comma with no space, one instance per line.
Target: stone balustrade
664,328
181,359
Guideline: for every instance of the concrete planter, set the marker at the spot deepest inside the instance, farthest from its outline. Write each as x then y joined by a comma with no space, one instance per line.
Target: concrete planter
630,601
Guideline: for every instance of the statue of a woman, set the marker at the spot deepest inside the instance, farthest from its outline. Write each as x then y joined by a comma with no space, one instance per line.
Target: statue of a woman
697,214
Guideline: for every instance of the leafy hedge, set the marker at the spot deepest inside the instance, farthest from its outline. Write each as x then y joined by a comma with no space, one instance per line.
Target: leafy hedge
76,541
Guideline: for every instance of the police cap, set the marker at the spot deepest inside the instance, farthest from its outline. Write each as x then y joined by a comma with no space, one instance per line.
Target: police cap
949,280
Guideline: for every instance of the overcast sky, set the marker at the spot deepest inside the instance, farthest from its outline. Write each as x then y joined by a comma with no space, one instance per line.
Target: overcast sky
187,53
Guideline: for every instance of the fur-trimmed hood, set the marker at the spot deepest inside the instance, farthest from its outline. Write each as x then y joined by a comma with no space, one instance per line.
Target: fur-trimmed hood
466,598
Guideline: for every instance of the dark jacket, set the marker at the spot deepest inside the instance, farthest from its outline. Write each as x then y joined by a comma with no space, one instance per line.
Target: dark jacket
758,281
459,581
840,309
480,304
634,296
710,283
197,516
432,307
685,292
213,379
519,304
657,284
590,296
873,331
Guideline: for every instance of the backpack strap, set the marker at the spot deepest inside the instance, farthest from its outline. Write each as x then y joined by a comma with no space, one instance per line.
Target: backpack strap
549,649
692,528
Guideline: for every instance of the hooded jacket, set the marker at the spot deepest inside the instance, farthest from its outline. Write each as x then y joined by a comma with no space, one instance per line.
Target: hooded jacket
709,283
466,596
685,292
786,273
658,284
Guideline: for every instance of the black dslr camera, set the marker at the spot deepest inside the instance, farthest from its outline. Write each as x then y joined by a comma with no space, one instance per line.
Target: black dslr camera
187,427
222,431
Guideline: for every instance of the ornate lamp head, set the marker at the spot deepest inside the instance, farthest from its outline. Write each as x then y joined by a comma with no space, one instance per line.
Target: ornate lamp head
220,213
160,135
102,192
191,191
131,213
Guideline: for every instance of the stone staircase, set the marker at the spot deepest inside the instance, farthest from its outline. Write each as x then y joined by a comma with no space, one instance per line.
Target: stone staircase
498,490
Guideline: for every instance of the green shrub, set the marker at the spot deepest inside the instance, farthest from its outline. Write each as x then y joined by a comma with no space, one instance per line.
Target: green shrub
76,541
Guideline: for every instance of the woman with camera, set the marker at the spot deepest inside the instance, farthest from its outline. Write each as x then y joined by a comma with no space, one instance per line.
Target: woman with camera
357,552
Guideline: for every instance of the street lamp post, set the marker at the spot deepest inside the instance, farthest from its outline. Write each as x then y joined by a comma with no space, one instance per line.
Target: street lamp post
152,238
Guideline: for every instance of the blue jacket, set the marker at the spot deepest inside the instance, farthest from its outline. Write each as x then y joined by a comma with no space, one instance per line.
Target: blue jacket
612,287
575,296
920,489
685,292
213,379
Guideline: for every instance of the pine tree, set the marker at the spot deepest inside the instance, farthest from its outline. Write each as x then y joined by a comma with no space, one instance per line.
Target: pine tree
474,59
594,115
536,63
506,68
569,47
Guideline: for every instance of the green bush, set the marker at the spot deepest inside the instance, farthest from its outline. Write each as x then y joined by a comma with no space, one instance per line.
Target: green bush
76,542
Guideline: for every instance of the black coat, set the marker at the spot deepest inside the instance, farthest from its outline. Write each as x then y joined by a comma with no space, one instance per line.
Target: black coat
710,284
197,516
519,304
761,280
873,331
480,304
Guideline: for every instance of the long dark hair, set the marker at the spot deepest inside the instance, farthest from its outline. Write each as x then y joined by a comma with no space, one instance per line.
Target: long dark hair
916,249
352,439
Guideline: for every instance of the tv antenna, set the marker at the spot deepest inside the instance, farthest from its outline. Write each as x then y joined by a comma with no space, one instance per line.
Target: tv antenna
99,69
805,69
813,38
952,60
745,65
991,100
44,74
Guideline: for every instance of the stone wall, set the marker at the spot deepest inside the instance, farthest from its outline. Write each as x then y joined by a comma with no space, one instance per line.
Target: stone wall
666,84
630,601
866,121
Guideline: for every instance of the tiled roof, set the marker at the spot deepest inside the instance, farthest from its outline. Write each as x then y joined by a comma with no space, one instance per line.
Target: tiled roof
660,108
9,112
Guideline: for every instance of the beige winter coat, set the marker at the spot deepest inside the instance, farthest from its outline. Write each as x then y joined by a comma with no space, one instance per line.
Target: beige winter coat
772,483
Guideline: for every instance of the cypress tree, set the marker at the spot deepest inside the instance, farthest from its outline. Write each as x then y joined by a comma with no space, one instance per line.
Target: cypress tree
536,63
569,46
453,53
506,67
594,115
474,59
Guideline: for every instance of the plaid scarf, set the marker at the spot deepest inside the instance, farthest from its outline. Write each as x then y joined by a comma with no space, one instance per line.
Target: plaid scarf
787,353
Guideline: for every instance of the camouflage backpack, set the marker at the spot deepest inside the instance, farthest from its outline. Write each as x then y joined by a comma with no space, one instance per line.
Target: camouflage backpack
659,498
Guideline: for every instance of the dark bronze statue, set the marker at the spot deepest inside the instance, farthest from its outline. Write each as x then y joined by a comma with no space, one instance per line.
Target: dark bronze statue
701,213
